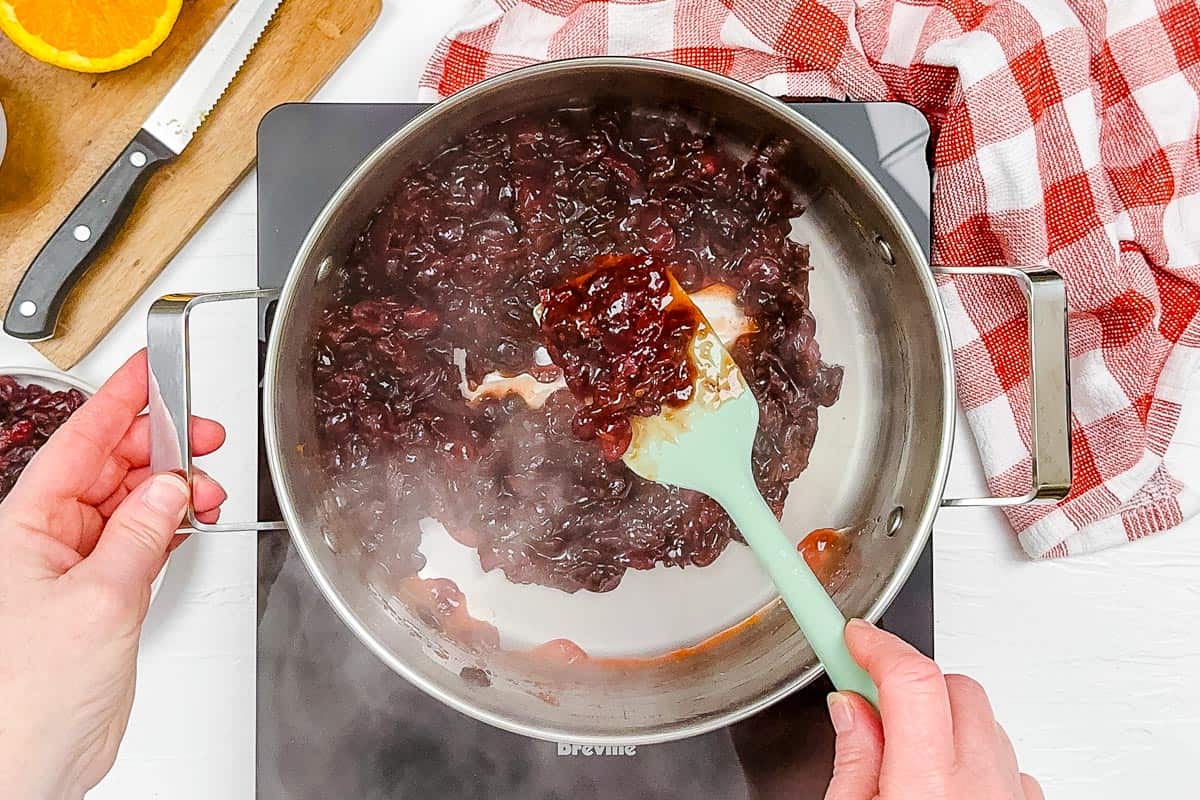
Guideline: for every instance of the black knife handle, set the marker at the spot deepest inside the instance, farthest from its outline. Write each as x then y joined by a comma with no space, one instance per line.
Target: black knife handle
33,312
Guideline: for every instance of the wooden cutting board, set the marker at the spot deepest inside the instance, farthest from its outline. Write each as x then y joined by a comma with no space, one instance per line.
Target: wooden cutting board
65,128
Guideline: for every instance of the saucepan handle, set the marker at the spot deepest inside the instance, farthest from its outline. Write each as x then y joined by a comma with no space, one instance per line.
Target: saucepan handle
1049,385
171,395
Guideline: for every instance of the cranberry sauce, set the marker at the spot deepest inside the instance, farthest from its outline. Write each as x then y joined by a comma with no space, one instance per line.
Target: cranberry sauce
622,341
28,415
452,264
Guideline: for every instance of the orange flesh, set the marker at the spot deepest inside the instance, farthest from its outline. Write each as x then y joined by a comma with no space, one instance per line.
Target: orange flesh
92,28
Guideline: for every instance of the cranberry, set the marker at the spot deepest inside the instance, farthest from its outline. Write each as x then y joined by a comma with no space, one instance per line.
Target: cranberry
418,321
18,433
622,341
455,261
28,416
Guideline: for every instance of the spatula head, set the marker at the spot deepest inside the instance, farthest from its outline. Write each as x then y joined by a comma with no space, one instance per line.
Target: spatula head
622,332
696,445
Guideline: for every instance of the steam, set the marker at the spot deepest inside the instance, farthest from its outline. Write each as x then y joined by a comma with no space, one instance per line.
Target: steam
371,514
718,303
612,623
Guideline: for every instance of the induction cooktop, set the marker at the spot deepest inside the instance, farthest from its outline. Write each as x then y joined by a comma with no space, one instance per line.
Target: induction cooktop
334,722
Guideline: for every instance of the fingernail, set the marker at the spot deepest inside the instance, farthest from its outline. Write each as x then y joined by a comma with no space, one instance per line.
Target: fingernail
861,624
166,494
840,713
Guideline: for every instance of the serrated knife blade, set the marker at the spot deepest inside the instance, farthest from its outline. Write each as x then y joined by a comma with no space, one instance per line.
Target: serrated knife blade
175,120
33,311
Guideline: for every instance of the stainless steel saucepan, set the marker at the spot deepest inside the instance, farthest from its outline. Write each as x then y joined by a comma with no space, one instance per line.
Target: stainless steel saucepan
881,455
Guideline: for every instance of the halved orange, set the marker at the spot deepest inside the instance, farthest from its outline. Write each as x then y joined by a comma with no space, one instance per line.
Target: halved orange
88,35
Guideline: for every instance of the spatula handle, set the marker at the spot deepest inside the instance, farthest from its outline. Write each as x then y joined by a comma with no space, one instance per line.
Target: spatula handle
814,610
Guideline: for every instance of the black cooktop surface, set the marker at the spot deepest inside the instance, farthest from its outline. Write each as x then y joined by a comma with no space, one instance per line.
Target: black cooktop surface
335,723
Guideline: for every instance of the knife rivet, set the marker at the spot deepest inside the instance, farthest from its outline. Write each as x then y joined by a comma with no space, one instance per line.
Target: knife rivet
82,233
137,158
27,308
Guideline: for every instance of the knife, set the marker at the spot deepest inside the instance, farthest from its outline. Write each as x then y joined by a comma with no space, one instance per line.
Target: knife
33,312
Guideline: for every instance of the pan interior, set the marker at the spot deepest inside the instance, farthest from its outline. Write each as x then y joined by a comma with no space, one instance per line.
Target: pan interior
879,448
708,600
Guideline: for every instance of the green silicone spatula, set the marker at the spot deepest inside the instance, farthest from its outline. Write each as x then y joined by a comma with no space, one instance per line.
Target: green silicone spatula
705,446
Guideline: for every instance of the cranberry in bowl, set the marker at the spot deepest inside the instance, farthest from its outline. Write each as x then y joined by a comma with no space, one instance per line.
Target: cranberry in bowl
34,403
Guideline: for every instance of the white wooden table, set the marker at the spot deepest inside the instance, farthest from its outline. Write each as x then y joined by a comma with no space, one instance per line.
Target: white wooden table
1088,660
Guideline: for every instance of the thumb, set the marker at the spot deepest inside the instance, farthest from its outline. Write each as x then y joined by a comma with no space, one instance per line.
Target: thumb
859,754
135,539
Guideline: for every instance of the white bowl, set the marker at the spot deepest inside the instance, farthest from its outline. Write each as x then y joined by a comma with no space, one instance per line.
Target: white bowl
52,380
58,382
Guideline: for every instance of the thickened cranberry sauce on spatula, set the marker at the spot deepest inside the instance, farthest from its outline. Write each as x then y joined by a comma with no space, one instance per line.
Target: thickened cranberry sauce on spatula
435,305
623,344
638,353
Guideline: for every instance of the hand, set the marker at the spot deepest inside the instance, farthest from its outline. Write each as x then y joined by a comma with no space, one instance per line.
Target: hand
935,737
83,534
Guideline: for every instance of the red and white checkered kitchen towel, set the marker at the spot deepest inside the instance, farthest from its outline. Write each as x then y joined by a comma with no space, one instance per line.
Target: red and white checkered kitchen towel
1065,134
